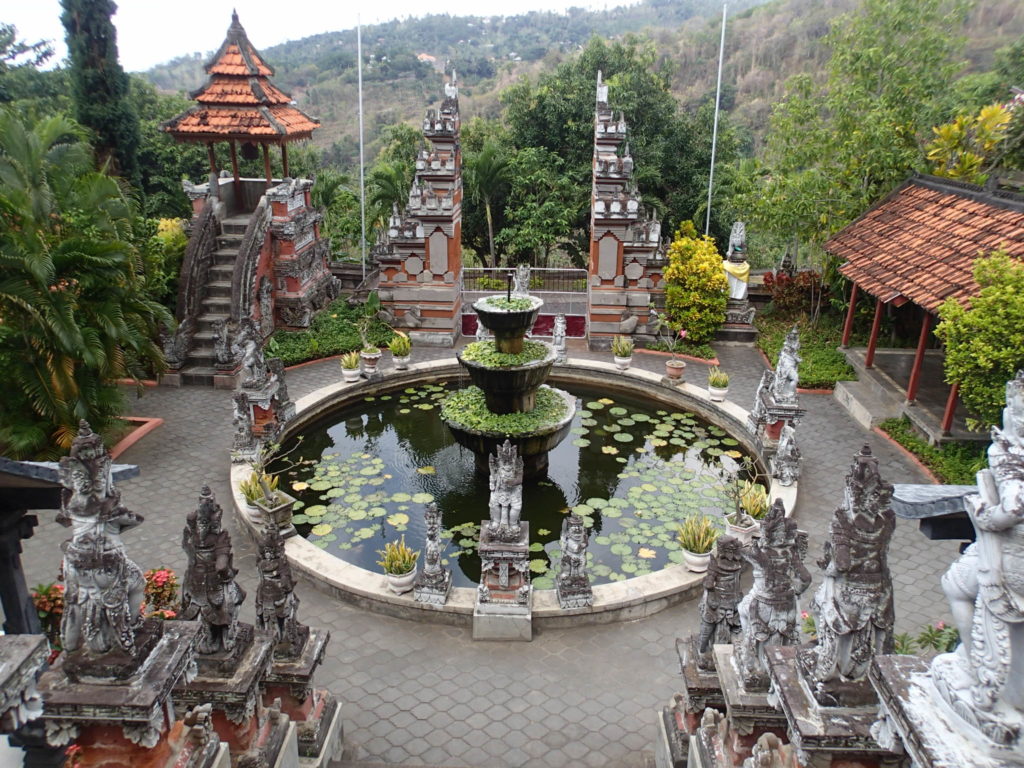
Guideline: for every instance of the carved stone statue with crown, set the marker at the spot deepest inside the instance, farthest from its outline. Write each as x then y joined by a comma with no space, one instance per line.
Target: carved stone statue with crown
572,584
277,604
719,601
768,613
103,588
209,593
854,604
776,404
981,680
434,582
506,502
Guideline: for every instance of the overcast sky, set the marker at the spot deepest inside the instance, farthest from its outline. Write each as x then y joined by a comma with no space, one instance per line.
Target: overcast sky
149,32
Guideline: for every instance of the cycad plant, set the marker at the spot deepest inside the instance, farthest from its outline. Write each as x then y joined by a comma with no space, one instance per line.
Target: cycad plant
74,317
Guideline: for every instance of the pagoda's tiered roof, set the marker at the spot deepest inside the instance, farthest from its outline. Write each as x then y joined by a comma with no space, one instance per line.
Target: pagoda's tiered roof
239,102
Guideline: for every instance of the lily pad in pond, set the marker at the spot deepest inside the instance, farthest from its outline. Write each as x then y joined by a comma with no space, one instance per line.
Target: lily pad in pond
321,529
623,437
581,442
539,565
426,470
422,498
399,518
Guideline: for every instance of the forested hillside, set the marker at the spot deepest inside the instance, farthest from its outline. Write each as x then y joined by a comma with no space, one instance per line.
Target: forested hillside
766,44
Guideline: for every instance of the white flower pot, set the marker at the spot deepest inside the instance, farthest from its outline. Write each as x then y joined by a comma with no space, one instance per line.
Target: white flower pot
695,562
622,363
718,393
745,535
370,360
401,583
350,375
401,363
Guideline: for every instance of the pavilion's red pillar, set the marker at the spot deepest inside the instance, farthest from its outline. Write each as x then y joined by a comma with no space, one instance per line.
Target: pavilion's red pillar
284,161
947,415
876,324
922,344
212,157
266,164
848,325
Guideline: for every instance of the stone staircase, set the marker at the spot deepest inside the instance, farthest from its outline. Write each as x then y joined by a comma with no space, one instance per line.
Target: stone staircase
216,302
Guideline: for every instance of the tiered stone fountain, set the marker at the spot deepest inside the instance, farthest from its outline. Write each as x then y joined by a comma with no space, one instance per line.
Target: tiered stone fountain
512,389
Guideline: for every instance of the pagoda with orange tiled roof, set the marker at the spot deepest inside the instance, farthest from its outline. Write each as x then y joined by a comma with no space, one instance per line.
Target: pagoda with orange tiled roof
239,105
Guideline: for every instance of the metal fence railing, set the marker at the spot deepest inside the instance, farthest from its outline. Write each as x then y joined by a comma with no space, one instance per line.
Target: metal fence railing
564,291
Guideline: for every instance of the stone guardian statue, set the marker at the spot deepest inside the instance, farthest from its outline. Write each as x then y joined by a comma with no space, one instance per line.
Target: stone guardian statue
735,264
506,484
719,602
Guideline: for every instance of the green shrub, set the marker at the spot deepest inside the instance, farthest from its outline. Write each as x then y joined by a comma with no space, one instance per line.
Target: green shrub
985,343
685,347
468,407
696,295
953,463
821,364
332,332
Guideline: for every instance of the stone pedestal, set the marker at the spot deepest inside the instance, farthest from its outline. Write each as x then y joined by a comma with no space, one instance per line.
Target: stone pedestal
314,711
739,322
230,682
913,717
504,601
681,719
129,718
432,588
750,713
279,514
830,736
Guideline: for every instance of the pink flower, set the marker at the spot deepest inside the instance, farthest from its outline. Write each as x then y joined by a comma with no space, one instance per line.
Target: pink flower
804,615
941,625
682,333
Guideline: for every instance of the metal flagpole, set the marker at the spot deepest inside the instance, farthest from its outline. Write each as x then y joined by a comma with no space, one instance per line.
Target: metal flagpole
714,133
362,161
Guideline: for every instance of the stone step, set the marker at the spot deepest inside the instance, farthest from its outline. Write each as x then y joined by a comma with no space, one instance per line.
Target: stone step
225,256
221,272
218,289
866,404
234,225
217,305
204,358
205,321
198,375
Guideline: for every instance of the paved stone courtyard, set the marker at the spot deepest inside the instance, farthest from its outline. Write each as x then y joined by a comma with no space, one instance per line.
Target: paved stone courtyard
422,694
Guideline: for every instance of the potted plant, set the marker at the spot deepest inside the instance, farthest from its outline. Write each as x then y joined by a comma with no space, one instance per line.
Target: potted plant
718,383
399,564
252,489
400,347
272,505
350,367
369,353
674,367
745,522
622,351
697,535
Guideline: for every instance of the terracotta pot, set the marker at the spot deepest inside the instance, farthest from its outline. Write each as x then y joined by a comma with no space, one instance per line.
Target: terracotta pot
622,363
696,562
718,394
402,582
674,369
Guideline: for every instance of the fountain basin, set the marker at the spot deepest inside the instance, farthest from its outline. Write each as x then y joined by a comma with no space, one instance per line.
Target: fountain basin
510,389
533,447
509,326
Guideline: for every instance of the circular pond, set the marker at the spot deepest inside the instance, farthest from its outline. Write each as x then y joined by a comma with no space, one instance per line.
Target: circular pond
633,471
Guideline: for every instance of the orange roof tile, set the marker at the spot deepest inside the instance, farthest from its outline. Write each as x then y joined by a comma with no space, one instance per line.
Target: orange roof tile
921,241
274,123
233,59
234,90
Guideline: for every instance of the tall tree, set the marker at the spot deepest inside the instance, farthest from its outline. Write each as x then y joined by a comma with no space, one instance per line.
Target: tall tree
833,150
72,289
486,179
99,86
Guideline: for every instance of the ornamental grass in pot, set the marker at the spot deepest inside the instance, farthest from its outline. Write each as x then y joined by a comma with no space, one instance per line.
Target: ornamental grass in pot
753,505
399,564
401,349
622,352
718,383
697,536
350,367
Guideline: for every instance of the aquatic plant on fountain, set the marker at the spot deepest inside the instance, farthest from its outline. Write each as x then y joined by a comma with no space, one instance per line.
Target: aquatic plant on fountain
509,380
399,564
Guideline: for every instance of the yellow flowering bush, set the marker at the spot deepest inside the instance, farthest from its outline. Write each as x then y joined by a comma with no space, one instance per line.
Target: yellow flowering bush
696,295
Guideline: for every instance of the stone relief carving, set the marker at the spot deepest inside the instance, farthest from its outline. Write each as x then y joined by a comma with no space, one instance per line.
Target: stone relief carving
103,588
247,349
506,483
854,604
266,300
209,593
980,680
768,612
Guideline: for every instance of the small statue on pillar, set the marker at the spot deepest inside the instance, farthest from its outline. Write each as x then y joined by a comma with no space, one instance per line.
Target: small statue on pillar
783,387
209,593
558,338
719,613
104,589
786,461
521,286
572,585
434,582
768,612
248,352
277,604
737,270
506,483
980,680
854,604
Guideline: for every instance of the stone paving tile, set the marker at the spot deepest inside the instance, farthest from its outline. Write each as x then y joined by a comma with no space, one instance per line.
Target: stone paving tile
427,694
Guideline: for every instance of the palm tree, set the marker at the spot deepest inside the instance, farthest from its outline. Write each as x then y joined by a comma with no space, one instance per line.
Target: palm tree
486,178
74,316
389,185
